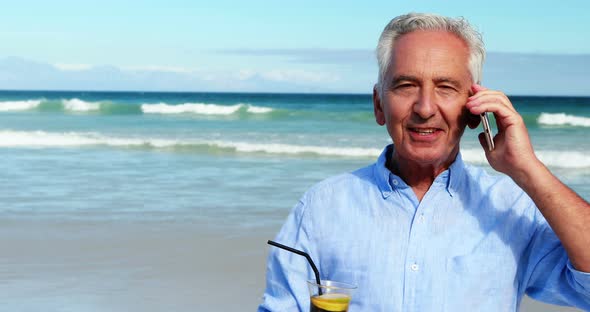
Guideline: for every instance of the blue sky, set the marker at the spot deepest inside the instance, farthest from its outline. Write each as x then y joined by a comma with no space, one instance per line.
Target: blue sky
272,46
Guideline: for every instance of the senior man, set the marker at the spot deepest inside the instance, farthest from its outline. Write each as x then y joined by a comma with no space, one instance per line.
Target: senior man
420,230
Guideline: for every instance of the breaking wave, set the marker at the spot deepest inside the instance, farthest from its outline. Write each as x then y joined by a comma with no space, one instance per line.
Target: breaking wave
202,108
562,119
76,105
42,139
12,106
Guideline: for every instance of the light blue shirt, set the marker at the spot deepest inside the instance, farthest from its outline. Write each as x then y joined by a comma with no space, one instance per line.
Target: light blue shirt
475,242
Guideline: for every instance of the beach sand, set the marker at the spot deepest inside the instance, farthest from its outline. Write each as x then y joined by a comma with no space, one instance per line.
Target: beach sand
129,266
123,265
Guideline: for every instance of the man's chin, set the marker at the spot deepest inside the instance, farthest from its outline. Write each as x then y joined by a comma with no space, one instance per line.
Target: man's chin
428,157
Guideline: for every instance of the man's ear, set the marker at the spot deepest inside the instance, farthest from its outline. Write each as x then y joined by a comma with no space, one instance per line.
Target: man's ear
472,120
379,115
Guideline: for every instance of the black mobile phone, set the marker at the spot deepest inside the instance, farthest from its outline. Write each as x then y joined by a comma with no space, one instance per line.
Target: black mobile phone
487,130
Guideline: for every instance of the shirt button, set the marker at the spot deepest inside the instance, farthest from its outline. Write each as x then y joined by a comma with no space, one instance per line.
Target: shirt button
421,218
414,267
395,182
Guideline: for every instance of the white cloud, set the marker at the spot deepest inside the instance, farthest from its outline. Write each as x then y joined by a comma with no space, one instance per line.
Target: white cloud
299,76
245,74
17,73
146,68
72,67
159,68
284,75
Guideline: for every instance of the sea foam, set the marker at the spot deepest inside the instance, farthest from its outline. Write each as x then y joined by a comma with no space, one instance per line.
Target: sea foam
561,119
36,139
42,139
276,148
558,159
201,108
77,105
9,138
567,159
259,110
8,106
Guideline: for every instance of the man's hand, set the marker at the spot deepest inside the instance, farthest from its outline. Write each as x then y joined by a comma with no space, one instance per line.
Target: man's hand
513,153
566,212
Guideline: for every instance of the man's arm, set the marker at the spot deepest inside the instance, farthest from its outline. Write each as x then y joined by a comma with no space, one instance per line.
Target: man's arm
566,212
287,273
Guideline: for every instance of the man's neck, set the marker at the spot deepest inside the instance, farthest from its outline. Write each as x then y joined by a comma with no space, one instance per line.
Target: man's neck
418,176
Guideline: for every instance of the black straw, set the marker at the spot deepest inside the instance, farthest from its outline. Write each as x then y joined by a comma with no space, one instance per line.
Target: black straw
306,255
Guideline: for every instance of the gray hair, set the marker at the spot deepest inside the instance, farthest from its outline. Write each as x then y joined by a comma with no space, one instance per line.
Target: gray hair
407,23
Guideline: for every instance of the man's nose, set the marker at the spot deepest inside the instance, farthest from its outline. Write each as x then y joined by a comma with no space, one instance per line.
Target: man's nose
425,105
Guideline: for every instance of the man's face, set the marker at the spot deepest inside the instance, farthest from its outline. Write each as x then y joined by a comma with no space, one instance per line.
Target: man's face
424,94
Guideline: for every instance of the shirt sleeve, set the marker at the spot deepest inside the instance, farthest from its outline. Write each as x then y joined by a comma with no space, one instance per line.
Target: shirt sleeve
581,279
287,273
549,275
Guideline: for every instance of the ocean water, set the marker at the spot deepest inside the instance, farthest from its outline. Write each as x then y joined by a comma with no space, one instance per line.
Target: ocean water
129,201
230,159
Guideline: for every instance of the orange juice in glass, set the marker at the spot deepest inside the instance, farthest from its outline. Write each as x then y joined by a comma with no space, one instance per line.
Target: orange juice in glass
330,296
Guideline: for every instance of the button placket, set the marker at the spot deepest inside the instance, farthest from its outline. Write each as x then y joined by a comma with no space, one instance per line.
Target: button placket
415,255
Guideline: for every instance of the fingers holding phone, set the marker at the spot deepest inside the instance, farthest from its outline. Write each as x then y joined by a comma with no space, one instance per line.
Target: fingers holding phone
509,149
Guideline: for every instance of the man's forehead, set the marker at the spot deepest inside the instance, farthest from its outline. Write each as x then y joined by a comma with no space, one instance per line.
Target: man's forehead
432,37
437,54
430,43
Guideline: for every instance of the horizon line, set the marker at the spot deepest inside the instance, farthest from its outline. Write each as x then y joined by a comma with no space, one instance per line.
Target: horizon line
252,92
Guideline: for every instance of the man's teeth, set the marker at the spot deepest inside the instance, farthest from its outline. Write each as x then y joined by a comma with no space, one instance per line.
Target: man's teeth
425,131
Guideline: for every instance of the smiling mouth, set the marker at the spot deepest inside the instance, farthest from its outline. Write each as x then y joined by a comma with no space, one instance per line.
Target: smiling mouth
424,131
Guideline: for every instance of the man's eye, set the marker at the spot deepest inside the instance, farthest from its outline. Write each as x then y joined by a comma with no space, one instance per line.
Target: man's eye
404,86
447,88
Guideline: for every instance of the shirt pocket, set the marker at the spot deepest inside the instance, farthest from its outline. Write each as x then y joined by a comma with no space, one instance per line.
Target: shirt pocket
478,282
471,266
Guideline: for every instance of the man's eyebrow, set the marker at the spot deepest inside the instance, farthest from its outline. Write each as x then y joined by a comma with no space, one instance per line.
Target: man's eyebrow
409,78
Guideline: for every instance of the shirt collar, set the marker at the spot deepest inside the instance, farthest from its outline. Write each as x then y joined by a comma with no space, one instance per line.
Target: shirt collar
455,175
381,172
451,178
